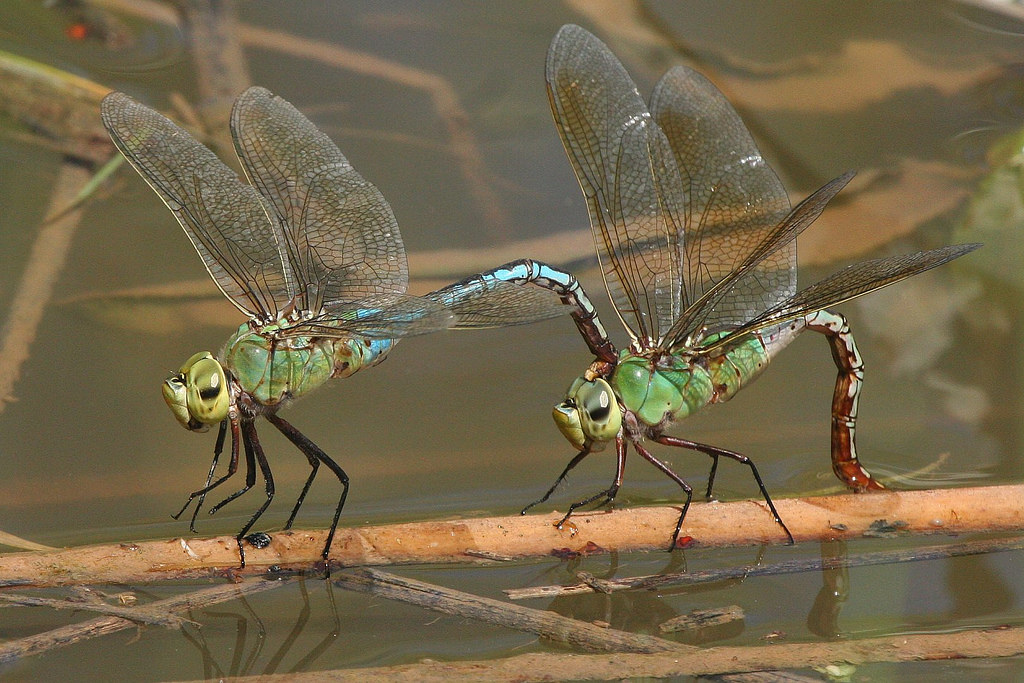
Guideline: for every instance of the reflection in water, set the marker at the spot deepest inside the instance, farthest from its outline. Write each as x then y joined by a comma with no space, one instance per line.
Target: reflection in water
823,619
246,663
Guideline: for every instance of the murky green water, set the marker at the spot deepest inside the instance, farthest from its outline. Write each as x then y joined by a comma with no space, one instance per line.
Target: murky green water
913,95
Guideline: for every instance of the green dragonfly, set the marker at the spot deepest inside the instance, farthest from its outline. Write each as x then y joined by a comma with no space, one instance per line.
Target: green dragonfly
697,243
311,253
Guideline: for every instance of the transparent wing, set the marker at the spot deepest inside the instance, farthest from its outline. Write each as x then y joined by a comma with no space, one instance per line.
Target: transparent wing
479,302
626,169
341,237
781,235
379,316
222,216
849,283
733,200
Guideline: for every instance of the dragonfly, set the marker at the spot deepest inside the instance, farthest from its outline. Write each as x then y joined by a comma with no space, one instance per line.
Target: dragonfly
311,253
697,244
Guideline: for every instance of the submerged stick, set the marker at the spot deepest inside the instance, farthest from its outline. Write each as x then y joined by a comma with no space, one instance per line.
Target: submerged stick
704,662
66,635
140,615
845,516
580,634
659,581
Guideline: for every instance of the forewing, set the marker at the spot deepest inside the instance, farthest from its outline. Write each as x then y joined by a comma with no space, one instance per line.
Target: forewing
733,200
342,239
378,316
628,175
851,282
222,216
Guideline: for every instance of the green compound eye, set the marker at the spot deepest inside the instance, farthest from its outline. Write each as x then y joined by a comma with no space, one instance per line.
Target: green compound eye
600,416
198,395
589,412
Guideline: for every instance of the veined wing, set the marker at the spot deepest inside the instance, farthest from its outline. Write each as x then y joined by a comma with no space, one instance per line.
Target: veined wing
341,237
733,201
781,235
222,216
849,283
378,316
628,174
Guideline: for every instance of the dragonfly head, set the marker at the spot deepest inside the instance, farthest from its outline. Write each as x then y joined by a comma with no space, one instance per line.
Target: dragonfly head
198,394
590,413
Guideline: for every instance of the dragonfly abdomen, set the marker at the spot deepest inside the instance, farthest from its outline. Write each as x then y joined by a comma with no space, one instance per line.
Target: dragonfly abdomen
663,390
272,369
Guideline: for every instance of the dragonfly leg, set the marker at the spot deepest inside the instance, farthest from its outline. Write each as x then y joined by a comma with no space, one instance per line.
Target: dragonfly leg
254,451
232,468
312,451
646,455
715,452
250,467
314,465
845,399
608,494
561,477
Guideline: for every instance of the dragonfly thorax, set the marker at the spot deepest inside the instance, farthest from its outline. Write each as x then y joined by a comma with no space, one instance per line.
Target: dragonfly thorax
662,388
272,367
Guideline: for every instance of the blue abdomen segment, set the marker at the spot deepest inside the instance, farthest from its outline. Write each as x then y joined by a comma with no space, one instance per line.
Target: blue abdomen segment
272,369
484,300
664,389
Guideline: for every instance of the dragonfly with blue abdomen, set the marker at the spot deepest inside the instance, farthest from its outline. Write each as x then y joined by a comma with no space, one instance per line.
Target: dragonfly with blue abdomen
311,253
697,243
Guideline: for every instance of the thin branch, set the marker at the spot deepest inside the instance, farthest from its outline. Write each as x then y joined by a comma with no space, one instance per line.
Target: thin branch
841,517
1006,642
580,634
141,615
66,635
804,565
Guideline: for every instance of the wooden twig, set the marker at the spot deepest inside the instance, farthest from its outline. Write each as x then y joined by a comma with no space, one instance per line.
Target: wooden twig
658,581
1006,642
66,635
140,615
579,634
702,618
843,516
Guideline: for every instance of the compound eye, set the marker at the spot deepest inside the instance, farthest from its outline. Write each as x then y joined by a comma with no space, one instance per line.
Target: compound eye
206,388
599,410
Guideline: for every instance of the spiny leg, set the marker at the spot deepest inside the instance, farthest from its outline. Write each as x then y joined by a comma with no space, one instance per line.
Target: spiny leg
561,477
715,452
254,451
250,467
845,399
310,449
646,455
232,468
609,493
314,464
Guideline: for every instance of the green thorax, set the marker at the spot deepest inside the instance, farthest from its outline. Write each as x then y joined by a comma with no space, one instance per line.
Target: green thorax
272,368
665,387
